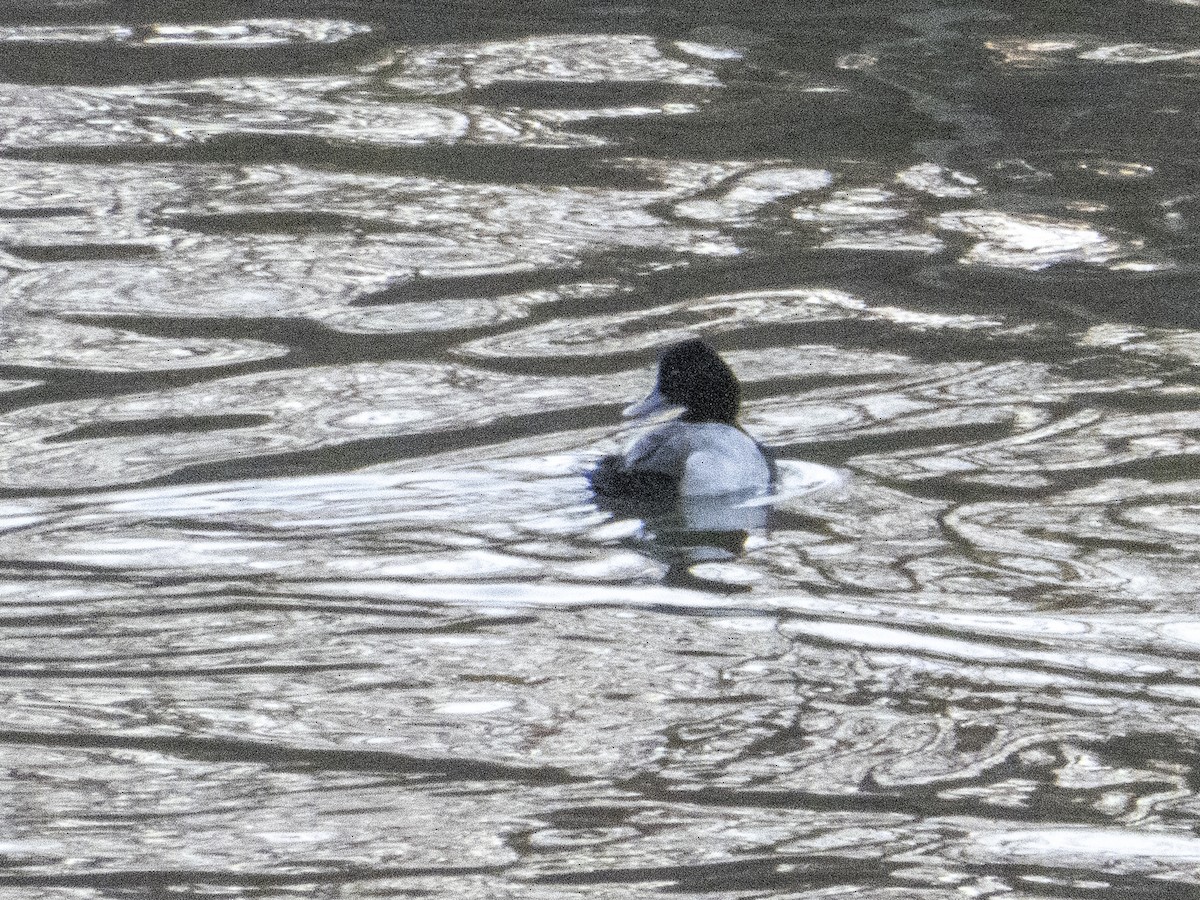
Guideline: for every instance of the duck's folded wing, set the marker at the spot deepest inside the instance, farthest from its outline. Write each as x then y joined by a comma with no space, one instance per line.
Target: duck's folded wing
611,478
658,451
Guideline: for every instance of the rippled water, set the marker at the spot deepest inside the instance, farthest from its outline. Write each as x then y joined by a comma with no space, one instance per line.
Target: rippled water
313,315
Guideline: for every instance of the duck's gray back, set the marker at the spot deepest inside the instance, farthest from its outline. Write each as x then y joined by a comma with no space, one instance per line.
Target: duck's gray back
705,458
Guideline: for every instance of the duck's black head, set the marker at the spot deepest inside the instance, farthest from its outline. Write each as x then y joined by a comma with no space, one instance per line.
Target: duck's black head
692,375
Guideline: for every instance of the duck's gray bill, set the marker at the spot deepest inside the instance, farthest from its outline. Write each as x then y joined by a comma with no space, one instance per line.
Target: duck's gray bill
654,402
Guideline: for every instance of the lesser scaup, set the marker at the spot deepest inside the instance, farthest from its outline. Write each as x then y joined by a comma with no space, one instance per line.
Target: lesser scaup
703,453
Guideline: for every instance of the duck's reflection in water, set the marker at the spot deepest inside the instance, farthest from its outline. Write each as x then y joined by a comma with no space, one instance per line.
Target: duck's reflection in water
684,532
693,536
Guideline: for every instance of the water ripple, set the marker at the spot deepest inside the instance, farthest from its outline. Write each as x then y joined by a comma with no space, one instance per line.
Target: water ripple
307,410
1087,441
234,33
1032,242
256,32
577,59
660,325
359,109
751,191
369,233
45,342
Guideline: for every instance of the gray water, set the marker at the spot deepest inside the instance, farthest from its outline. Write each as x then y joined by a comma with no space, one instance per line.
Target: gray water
312,317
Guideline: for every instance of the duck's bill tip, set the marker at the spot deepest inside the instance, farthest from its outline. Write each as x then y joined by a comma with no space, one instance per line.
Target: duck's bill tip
654,402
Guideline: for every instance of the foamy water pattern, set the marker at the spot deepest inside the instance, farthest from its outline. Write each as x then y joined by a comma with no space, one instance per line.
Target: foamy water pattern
311,328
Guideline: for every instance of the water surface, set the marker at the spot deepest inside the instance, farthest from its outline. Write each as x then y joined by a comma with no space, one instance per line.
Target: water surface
312,317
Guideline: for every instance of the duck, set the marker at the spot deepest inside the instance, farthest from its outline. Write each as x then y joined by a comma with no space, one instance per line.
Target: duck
702,453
